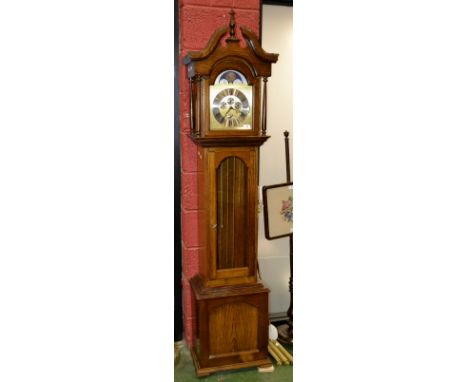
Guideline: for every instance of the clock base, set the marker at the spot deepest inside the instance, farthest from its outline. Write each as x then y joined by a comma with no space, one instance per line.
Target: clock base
231,328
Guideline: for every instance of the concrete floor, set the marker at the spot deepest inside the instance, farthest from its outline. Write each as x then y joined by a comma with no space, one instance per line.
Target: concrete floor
184,371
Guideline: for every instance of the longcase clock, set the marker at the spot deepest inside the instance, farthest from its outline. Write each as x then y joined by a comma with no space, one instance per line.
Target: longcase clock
228,109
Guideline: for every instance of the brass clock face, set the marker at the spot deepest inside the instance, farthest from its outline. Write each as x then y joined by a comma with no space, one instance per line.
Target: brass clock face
231,107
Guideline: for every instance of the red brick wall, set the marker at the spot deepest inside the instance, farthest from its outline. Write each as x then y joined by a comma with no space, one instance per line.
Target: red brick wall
198,19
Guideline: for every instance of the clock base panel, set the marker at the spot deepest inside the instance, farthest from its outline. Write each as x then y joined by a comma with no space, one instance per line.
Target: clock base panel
231,327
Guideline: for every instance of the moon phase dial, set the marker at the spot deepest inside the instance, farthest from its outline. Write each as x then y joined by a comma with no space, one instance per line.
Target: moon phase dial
231,108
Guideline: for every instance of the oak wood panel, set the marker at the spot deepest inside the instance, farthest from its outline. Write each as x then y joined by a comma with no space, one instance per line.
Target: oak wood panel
246,239
209,160
231,320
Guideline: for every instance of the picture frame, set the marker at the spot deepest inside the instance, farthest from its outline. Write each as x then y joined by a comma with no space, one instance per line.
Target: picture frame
278,210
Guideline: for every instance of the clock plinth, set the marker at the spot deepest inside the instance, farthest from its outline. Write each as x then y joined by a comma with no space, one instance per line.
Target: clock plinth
232,323
228,124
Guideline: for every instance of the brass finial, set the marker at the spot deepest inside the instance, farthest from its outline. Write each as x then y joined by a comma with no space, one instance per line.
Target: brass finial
232,27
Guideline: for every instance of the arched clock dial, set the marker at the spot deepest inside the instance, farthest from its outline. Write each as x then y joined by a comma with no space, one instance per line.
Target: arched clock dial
231,107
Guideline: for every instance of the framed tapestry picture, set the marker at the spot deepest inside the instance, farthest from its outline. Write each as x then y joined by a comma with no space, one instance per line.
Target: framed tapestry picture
278,210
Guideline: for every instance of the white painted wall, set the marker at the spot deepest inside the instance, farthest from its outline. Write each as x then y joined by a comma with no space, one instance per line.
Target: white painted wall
277,37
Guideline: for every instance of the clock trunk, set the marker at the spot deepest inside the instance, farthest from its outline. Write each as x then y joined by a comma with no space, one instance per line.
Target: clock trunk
227,206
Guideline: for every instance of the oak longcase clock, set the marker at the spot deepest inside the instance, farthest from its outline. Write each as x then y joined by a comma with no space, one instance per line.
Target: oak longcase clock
228,81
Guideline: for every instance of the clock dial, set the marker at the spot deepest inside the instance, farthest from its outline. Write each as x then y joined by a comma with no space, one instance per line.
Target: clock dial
231,106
